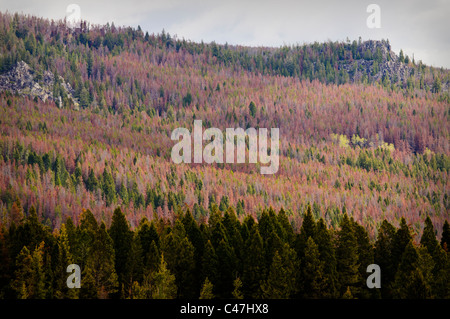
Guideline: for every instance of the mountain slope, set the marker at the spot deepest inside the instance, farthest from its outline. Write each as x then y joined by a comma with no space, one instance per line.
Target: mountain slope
360,130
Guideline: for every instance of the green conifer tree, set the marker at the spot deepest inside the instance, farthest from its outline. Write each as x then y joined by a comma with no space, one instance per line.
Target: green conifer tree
383,256
327,256
313,277
163,283
122,237
254,265
207,290
347,257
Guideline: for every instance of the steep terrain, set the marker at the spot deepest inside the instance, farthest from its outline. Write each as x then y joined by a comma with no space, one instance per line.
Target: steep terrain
362,130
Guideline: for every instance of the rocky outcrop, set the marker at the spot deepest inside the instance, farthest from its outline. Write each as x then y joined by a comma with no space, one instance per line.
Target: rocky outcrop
21,79
376,61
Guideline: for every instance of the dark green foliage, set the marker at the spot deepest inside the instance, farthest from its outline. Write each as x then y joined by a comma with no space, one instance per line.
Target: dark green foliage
313,279
347,258
307,230
445,239
122,240
179,254
252,109
327,256
384,254
401,239
253,264
210,260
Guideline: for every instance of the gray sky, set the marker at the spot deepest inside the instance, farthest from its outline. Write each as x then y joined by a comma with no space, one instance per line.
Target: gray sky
421,28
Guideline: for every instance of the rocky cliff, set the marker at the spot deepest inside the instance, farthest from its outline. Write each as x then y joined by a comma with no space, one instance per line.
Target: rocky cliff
21,79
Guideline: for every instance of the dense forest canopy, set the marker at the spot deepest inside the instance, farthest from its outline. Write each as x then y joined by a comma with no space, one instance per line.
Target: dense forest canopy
86,118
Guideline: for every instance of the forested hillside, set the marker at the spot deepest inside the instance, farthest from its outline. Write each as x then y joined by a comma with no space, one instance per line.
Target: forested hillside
86,119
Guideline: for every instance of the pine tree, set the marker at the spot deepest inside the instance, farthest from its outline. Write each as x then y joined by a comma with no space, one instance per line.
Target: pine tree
163,283
147,234
254,265
91,182
307,230
401,240
441,274
5,264
134,267
327,256
29,282
85,235
445,239
122,237
207,290
313,277
64,259
274,287
100,265
226,259
21,283
405,271
365,258
284,223
440,271
280,283
196,238
179,253
347,257
237,284
428,239
210,263
108,187
232,231
383,256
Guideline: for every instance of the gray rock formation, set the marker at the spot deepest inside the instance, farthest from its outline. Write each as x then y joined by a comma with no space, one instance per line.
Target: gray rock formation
21,79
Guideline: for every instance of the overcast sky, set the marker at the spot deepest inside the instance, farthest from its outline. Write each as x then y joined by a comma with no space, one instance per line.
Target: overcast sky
421,28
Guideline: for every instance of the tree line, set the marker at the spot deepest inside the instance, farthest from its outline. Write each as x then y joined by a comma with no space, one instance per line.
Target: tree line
223,257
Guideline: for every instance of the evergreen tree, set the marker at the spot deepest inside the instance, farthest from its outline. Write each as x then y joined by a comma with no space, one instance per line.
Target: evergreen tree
254,265
91,182
108,187
164,286
313,277
152,258
445,239
196,238
85,236
21,284
327,256
365,258
179,253
122,237
226,259
307,230
210,263
207,290
64,259
5,265
284,223
147,234
134,267
440,281
237,284
428,239
100,273
405,270
401,240
383,256
29,282
347,257
280,283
